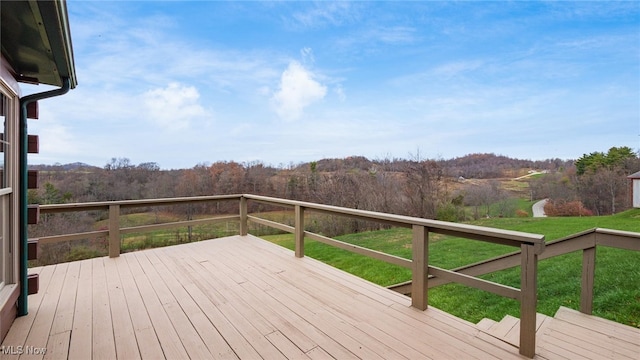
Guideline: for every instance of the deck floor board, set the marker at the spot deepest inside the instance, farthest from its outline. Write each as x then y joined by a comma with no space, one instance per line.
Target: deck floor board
42,325
242,297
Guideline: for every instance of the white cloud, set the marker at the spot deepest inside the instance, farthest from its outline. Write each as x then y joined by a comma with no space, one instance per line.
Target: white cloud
173,107
307,55
298,89
55,139
457,68
321,14
396,35
377,39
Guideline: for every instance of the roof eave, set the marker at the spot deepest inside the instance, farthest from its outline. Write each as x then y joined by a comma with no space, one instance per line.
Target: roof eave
57,19
36,40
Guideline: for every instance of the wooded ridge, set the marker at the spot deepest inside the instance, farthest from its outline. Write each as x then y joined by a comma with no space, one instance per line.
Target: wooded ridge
417,187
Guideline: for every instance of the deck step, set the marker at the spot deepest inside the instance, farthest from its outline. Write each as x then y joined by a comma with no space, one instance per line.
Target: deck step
507,329
589,336
566,332
504,326
596,324
486,324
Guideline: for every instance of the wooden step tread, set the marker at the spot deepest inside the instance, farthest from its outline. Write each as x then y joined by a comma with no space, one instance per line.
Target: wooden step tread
508,329
504,326
600,325
588,337
485,324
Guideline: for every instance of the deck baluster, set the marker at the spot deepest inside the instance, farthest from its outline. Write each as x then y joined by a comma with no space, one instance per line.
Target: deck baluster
588,278
528,300
420,267
114,230
244,226
299,232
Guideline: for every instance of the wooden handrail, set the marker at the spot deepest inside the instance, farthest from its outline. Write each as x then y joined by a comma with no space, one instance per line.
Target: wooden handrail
531,245
114,207
474,232
124,204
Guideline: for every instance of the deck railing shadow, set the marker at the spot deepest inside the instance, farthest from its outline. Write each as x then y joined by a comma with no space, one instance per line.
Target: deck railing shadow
530,246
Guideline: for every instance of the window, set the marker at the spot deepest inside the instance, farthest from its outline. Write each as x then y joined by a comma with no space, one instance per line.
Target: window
3,108
4,193
8,122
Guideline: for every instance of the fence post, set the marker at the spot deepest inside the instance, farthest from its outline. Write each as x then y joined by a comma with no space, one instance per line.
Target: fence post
299,231
528,300
420,267
114,230
244,226
588,275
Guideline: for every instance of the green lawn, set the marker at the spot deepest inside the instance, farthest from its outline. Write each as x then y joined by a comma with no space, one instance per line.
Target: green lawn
617,294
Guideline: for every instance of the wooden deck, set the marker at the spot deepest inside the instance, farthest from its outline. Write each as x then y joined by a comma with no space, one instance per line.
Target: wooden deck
241,297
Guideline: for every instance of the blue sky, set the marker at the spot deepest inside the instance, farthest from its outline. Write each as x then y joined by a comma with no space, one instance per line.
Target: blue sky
184,83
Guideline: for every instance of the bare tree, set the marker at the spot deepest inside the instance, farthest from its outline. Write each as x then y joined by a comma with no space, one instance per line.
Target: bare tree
484,195
554,185
421,188
604,191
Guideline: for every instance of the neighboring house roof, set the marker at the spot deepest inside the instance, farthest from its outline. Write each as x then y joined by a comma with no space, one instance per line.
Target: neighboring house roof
36,41
634,176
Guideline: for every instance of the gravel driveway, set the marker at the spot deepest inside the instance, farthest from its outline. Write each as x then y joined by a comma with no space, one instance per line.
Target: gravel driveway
538,208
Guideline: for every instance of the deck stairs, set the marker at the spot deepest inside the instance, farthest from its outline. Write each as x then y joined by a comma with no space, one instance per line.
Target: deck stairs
562,336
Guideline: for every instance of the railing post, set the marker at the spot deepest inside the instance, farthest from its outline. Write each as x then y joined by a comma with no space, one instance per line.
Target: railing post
114,230
299,232
244,226
420,267
528,300
588,275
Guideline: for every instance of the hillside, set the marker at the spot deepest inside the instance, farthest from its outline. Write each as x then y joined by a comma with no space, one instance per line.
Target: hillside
482,166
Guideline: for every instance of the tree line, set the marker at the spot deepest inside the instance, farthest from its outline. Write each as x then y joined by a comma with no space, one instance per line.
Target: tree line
426,188
597,184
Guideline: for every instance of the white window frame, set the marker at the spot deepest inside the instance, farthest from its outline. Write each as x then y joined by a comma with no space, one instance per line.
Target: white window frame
9,224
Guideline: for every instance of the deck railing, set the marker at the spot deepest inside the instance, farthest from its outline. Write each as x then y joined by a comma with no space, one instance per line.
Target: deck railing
530,245
586,241
114,208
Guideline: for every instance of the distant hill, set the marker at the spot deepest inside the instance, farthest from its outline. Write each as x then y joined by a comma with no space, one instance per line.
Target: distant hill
491,166
64,167
477,166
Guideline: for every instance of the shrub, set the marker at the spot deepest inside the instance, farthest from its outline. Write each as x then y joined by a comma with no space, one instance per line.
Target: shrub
450,212
566,208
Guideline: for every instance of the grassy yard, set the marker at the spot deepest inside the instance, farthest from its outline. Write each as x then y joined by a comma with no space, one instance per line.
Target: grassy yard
617,294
